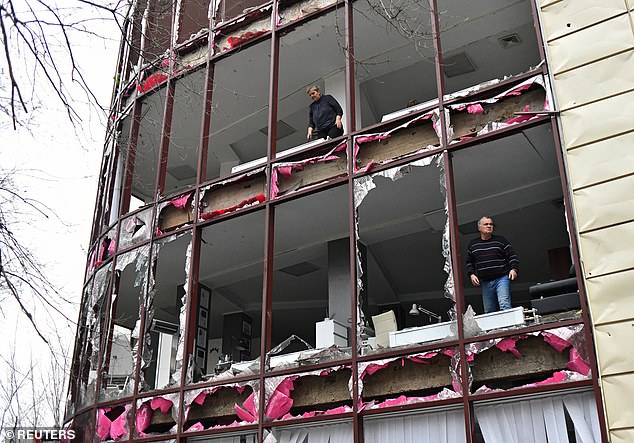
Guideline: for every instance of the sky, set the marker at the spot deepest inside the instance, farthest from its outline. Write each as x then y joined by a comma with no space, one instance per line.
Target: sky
58,165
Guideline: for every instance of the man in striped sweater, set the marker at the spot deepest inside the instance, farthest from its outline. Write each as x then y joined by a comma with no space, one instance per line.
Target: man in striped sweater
492,264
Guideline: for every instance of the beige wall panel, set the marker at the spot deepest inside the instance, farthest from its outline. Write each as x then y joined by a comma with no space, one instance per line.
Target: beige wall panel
608,250
614,347
567,16
545,3
610,297
598,120
618,392
605,204
595,81
601,161
591,44
622,436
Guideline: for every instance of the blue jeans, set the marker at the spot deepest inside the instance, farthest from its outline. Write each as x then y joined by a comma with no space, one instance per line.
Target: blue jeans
496,294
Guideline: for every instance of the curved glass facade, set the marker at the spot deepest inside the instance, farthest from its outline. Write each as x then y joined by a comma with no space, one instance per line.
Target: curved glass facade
243,279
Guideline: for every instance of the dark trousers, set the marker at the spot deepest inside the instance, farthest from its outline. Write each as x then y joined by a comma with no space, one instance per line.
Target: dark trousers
332,132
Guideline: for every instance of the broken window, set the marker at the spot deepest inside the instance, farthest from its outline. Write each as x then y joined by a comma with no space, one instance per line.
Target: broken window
311,54
230,297
112,423
102,210
308,394
91,336
521,191
157,29
121,157
441,426
418,378
254,24
293,10
393,47
404,256
192,17
311,280
225,10
239,111
148,147
135,229
531,360
124,324
165,301
221,406
157,415
325,164
182,157
485,41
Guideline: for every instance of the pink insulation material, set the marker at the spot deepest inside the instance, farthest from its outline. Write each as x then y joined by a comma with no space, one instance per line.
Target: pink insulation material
577,363
281,402
181,202
247,202
234,41
146,411
152,81
116,429
247,412
475,109
508,345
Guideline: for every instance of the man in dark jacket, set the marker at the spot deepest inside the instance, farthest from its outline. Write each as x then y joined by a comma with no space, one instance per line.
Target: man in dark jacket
324,116
492,264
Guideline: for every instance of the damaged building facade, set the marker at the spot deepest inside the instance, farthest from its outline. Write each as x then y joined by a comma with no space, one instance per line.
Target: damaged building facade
245,285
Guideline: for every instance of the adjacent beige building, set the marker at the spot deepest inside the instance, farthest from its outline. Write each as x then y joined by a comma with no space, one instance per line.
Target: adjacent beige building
590,49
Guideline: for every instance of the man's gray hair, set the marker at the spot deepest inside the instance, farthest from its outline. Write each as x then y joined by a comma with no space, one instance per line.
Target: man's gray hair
482,218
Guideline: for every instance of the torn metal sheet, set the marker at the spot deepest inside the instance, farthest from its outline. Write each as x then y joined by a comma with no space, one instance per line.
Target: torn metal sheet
287,169
304,358
176,23
368,368
295,11
138,257
433,115
224,40
247,412
477,88
567,338
475,107
365,184
111,426
182,321
135,229
278,399
146,408
251,201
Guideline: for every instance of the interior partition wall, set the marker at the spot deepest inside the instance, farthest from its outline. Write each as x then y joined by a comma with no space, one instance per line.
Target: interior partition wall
247,284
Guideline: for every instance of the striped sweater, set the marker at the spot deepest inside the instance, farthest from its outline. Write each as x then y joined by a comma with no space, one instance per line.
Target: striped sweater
492,258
